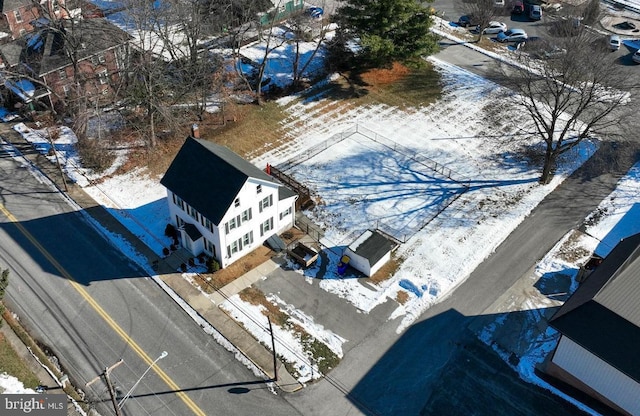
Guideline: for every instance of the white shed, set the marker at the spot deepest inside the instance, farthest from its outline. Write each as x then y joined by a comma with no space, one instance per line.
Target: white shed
369,252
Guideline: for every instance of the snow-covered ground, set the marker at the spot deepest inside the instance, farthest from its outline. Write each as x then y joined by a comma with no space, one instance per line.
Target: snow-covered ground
463,131
11,385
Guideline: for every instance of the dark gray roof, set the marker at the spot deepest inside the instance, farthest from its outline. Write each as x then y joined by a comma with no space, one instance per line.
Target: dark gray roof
11,5
192,231
11,52
603,315
209,177
372,246
284,193
89,37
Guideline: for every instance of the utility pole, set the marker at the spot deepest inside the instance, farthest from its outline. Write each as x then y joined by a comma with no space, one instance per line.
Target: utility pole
112,393
273,347
55,154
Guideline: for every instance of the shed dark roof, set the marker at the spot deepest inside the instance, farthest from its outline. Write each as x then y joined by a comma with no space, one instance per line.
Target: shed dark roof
371,245
209,177
603,315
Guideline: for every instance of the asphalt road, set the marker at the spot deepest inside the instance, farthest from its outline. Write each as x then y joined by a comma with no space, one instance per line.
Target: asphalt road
83,299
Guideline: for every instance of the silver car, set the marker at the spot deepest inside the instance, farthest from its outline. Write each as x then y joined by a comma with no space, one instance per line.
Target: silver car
512,35
494,28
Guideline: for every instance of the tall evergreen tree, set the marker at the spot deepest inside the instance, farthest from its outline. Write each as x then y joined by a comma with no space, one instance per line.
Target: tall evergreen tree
388,30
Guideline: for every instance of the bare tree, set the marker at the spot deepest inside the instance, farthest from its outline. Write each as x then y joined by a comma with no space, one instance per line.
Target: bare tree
481,12
271,38
570,91
306,28
169,72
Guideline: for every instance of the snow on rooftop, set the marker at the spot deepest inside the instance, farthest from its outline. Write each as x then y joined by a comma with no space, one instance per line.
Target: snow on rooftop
360,240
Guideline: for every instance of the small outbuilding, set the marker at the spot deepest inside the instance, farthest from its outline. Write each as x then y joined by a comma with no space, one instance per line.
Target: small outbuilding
369,252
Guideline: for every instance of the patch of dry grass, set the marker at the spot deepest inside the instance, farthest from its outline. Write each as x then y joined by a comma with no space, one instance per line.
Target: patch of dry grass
221,278
319,352
257,128
386,271
41,352
273,312
402,297
571,251
12,364
398,86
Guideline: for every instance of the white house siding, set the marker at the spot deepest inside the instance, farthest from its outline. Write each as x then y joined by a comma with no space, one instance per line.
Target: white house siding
379,264
286,214
239,232
358,262
249,198
601,377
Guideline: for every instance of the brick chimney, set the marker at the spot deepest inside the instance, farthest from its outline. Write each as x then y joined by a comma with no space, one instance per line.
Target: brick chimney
195,131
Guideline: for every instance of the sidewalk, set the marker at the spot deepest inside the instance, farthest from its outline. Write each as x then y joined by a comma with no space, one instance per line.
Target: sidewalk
206,308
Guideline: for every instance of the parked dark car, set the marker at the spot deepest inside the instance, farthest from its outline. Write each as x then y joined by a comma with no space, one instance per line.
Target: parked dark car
518,7
466,21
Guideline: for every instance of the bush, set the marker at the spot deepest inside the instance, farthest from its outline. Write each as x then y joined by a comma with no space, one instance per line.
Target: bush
94,154
171,232
212,265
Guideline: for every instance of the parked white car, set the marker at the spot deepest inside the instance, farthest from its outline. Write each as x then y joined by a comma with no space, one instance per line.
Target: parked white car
494,28
614,42
512,35
636,57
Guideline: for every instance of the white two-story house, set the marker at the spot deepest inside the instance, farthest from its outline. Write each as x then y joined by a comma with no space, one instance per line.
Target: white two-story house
223,205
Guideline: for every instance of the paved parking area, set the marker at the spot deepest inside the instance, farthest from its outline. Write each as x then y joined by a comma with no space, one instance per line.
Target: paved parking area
327,309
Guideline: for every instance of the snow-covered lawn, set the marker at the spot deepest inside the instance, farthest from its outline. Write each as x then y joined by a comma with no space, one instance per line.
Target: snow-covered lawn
365,183
362,184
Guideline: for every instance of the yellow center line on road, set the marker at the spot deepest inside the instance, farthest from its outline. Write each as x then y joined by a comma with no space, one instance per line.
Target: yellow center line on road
141,353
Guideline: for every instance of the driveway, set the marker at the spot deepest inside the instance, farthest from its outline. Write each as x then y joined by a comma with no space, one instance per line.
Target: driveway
327,309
